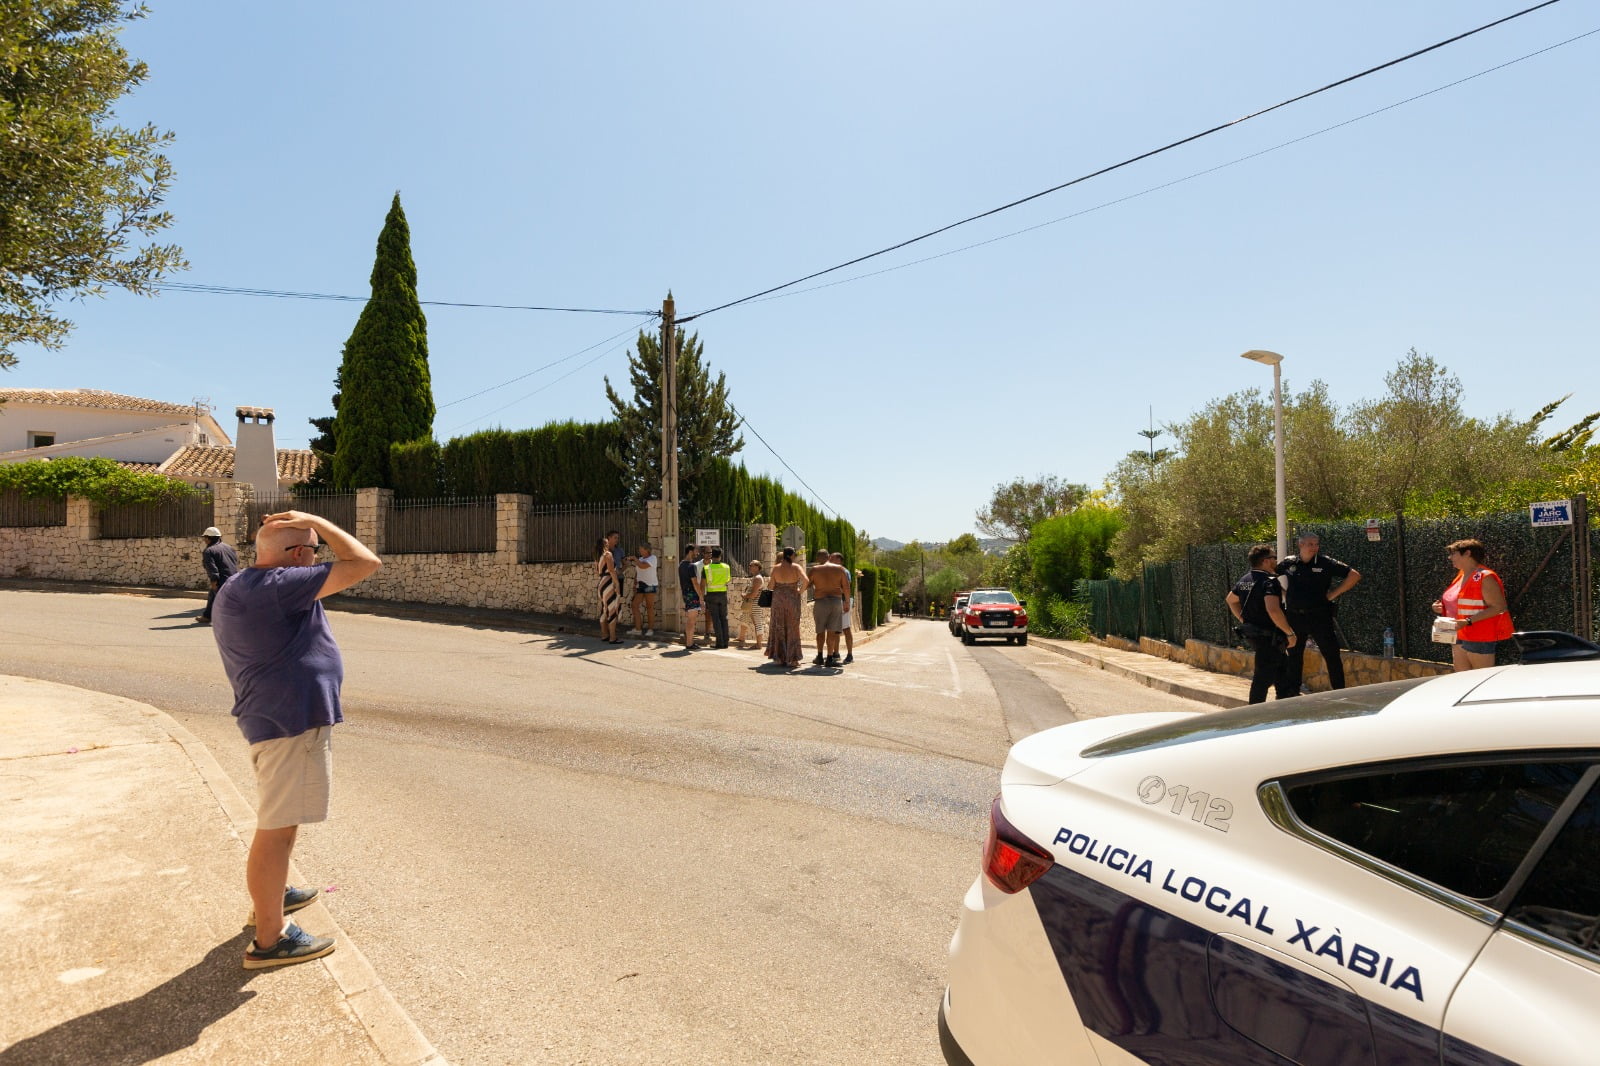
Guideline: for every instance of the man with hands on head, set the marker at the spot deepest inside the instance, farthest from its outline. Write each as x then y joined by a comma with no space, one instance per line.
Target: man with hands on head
286,671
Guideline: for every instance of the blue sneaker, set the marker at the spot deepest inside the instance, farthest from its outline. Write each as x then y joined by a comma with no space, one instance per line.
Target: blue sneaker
296,898
295,945
293,899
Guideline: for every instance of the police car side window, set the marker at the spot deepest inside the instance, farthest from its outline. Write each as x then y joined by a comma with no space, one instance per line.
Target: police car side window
1562,897
1465,828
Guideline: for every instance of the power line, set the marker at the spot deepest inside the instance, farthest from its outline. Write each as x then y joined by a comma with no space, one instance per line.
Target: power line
283,294
542,388
1118,166
1176,181
536,370
782,460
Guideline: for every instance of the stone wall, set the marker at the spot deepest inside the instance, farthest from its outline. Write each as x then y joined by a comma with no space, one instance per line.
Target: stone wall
1359,668
499,579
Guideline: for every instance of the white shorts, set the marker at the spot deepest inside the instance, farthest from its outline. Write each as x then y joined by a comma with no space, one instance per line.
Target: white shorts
294,776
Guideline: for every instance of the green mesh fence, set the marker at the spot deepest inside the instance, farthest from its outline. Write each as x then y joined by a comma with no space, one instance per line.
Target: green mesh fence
1114,607
1402,573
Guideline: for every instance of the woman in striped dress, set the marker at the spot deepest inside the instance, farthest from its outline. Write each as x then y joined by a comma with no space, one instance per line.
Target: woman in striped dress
605,569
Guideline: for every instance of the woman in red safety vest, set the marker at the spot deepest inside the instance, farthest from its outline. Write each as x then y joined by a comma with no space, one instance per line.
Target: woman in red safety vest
1477,597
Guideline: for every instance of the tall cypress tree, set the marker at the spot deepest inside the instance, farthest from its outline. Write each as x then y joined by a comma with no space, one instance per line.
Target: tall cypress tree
385,396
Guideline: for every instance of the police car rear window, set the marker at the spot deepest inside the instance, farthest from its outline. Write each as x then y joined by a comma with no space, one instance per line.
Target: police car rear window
1278,714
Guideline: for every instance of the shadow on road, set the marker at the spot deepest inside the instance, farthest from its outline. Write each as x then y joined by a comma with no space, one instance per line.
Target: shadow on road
168,1018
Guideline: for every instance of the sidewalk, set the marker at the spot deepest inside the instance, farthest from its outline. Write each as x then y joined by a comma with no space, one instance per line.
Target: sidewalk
1163,675
122,848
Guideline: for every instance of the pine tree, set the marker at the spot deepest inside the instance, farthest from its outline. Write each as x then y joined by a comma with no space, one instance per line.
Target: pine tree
707,426
323,444
385,396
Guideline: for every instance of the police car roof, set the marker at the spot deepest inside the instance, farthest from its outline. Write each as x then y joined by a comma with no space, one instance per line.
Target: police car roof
1544,707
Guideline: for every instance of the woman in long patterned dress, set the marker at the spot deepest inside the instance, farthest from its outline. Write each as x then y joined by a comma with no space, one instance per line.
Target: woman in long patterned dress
783,627
605,569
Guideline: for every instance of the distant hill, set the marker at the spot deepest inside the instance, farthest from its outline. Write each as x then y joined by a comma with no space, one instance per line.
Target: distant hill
994,546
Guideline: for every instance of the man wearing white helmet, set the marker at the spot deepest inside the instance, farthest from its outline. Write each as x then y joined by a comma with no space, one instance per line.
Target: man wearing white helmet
221,563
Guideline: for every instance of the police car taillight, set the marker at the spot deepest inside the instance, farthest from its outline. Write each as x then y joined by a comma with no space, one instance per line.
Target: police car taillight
1011,861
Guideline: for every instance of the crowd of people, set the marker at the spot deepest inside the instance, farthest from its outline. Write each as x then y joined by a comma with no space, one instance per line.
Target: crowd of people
1281,606
768,608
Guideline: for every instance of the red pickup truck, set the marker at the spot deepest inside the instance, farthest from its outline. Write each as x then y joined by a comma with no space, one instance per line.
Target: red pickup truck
992,613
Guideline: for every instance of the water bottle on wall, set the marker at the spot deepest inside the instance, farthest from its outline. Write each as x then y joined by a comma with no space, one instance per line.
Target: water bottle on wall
1388,642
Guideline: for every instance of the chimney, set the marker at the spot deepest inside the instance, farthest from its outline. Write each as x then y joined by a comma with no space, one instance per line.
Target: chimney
255,454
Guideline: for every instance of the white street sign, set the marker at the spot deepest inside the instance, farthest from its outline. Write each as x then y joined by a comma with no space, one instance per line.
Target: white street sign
1551,513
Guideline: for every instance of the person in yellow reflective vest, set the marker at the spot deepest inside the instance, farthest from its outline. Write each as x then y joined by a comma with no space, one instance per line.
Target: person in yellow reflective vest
718,574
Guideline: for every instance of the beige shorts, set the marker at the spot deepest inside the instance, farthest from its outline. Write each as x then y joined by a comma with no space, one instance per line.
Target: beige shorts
828,613
293,778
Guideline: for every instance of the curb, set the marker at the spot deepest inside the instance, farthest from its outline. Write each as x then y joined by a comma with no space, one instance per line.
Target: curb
1188,691
387,1025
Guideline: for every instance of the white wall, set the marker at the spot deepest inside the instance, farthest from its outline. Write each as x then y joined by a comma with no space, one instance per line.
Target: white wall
18,419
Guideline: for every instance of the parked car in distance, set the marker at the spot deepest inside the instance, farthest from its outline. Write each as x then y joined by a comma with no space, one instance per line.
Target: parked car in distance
1394,874
953,619
992,613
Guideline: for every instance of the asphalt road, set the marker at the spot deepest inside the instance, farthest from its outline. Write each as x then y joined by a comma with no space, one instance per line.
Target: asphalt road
558,851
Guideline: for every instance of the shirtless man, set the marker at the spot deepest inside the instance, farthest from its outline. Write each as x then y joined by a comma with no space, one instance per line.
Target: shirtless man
831,585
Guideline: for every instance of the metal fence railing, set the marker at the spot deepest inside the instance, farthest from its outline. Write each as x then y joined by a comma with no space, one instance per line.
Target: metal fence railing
738,542
18,510
440,524
1402,572
566,533
175,518
337,507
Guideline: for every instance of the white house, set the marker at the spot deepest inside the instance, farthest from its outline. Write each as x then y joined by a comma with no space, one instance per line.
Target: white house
180,440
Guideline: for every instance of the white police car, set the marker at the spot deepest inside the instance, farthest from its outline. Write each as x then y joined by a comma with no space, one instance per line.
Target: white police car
1405,873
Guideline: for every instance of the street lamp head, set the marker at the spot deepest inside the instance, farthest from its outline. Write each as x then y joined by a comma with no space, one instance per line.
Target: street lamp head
1256,354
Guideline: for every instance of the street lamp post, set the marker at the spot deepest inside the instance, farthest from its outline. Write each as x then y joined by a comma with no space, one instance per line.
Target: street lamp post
1274,360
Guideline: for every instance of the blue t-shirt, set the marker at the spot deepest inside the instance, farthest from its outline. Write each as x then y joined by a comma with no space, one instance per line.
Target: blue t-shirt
278,651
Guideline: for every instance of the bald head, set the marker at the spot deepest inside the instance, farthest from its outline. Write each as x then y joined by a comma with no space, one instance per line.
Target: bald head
281,546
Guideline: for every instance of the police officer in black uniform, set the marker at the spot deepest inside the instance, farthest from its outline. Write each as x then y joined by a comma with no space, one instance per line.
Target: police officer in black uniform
1256,603
1312,585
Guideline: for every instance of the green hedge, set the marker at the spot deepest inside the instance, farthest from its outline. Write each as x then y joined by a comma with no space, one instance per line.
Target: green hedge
729,492
563,462
880,585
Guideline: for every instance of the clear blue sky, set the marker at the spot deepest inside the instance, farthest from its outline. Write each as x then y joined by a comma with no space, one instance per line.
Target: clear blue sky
598,155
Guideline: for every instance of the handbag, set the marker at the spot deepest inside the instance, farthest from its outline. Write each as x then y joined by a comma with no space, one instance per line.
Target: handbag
1444,629
764,598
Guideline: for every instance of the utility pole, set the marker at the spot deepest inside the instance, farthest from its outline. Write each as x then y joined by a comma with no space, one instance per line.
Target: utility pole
670,546
1151,434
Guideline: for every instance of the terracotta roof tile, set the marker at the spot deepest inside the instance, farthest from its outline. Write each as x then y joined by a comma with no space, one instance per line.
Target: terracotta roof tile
216,464
98,398
296,464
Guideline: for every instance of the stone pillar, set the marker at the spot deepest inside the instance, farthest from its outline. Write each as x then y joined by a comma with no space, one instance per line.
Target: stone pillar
372,517
83,518
511,527
766,546
230,511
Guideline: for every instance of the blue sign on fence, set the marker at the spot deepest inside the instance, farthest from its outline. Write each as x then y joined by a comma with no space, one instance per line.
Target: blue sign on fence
1551,513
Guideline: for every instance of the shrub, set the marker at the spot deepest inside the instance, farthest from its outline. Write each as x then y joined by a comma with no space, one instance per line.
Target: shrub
100,480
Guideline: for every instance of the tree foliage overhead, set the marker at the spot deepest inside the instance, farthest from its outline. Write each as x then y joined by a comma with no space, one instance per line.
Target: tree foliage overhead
385,395
1411,450
708,429
78,193
1019,505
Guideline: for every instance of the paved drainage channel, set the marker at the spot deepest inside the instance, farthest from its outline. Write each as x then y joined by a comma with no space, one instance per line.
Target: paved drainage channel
1028,704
